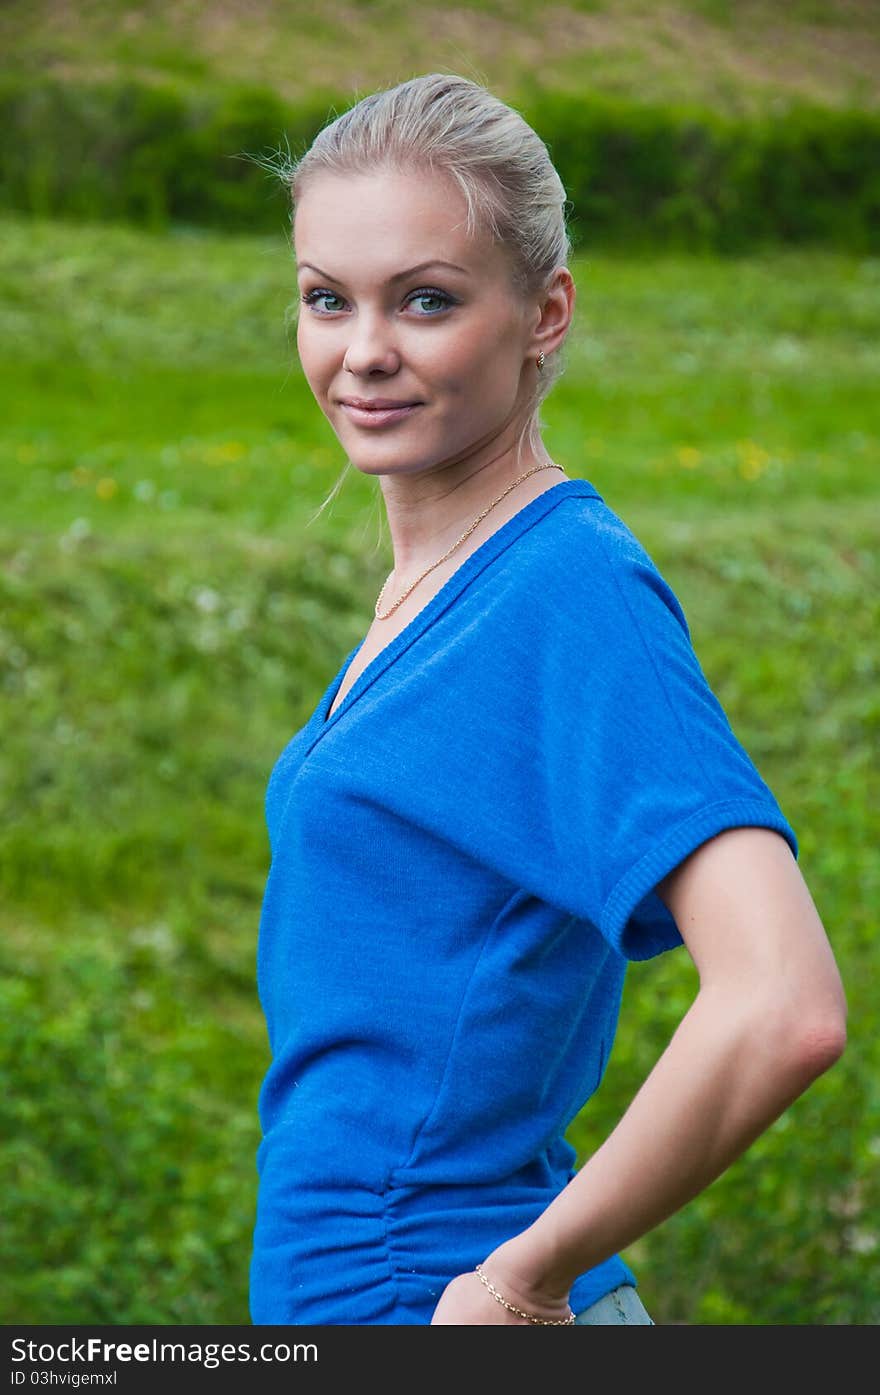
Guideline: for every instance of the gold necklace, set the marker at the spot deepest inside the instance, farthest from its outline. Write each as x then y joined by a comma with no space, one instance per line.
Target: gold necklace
550,465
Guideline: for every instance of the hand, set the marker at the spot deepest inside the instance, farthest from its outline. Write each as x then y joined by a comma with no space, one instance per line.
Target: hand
467,1301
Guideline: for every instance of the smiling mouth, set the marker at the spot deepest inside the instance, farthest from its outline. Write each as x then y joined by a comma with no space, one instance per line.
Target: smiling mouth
364,415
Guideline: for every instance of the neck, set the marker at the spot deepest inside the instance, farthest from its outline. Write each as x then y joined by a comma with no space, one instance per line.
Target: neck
428,512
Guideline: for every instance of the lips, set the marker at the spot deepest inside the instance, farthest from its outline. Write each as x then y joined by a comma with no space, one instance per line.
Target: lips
377,411
375,404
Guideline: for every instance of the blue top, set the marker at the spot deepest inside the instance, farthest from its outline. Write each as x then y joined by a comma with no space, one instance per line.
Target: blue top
463,862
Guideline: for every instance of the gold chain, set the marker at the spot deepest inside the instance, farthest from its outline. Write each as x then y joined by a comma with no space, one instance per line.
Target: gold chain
535,468
530,1317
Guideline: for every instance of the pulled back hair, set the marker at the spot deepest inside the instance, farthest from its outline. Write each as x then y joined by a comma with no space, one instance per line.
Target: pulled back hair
447,123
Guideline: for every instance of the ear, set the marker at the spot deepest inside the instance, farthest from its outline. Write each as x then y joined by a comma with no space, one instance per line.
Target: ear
553,314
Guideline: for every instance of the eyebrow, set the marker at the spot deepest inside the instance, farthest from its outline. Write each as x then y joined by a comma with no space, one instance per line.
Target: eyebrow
401,275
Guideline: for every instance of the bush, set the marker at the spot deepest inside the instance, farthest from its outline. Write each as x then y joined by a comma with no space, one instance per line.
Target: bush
670,177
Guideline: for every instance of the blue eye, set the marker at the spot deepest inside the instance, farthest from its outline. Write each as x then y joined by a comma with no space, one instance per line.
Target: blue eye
441,300
314,296
429,294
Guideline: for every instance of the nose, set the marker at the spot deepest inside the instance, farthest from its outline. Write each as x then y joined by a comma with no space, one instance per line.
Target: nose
371,347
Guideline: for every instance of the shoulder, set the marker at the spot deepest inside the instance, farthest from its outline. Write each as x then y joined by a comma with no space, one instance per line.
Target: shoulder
582,559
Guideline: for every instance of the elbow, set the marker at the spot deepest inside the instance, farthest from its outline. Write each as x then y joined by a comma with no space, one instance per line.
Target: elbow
801,1031
816,1043
812,1020
822,1044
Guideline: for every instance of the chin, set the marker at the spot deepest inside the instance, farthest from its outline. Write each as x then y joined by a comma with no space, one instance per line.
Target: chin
390,468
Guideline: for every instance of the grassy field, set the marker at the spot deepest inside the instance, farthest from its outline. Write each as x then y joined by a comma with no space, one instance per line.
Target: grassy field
734,55
168,617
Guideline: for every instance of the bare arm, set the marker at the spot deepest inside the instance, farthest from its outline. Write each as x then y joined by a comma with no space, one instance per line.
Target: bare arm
769,1018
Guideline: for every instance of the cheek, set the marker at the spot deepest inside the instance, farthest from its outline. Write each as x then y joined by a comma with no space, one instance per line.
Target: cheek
477,365
314,355
492,379
303,346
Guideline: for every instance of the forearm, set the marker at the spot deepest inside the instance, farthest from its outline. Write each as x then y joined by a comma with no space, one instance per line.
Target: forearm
727,1073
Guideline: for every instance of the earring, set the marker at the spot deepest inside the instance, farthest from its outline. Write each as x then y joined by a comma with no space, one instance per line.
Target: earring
540,361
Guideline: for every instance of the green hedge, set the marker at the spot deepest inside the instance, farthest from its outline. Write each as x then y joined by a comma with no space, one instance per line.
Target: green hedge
672,177
692,178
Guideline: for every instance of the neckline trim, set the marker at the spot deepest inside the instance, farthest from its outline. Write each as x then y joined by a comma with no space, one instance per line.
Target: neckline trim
474,563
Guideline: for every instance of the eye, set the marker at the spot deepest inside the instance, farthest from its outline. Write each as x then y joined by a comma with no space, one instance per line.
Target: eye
314,295
426,293
441,300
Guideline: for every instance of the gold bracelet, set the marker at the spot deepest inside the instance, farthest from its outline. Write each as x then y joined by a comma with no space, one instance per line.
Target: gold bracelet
529,1317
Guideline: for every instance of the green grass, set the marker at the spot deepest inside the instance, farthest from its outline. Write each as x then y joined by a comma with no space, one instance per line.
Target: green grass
752,55
168,617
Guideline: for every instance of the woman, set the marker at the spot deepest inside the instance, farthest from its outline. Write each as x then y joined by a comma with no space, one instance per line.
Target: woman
518,781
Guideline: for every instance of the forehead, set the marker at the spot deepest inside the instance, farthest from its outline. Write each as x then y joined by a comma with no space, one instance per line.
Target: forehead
377,222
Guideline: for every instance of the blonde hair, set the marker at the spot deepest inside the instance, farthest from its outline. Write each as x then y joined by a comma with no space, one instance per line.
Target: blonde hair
448,123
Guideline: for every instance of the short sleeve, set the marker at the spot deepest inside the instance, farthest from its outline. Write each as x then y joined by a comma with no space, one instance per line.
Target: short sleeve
637,763
581,751
554,727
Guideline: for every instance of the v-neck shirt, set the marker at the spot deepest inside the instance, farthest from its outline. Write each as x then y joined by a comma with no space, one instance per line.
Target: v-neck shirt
464,858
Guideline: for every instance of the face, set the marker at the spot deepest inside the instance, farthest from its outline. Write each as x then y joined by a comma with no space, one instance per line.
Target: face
411,335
